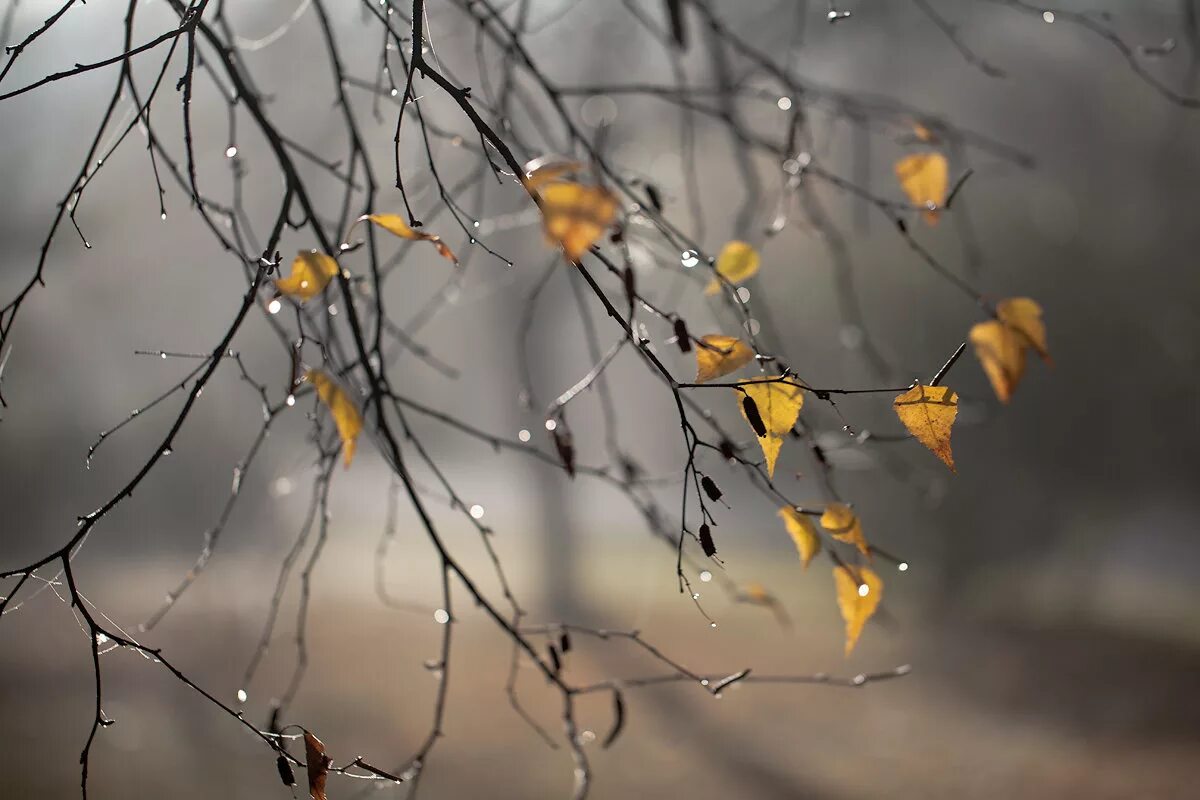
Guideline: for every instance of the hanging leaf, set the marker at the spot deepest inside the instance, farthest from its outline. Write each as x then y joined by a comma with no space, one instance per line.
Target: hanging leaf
925,178
311,273
395,224
540,172
575,216
706,541
842,524
803,532
720,355
318,765
345,412
859,591
737,262
928,413
1025,317
777,406
1001,344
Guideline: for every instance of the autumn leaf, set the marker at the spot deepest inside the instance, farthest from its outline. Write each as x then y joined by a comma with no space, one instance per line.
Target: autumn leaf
778,405
803,532
311,273
928,413
395,224
318,765
859,591
540,172
345,412
1001,343
843,524
1025,317
925,178
737,262
720,355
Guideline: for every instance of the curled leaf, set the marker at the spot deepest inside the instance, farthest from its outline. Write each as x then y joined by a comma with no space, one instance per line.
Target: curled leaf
803,532
777,404
1001,344
925,178
318,766
737,262
928,412
395,224
345,413
720,355
311,273
859,591
842,524
575,215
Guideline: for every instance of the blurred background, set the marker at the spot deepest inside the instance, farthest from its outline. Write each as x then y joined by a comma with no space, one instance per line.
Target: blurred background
1051,611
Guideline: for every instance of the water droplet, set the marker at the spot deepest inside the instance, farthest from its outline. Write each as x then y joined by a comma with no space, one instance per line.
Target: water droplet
333,311
523,435
441,616
695,595
477,511
274,306
241,695
166,451
231,151
743,294
394,92
291,400
282,487
902,566
1048,16
101,639
704,681
705,576
587,737
162,356
689,258
551,424
163,216
863,590
712,625
752,326
784,103
475,223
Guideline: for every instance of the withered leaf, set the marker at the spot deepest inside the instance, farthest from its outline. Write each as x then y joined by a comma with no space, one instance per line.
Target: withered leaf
318,765
395,225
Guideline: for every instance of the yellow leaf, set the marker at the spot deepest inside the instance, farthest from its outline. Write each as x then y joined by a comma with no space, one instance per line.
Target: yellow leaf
856,606
345,412
720,355
925,178
737,262
1001,344
539,173
1025,316
779,407
311,273
395,225
843,525
928,413
803,533
575,216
